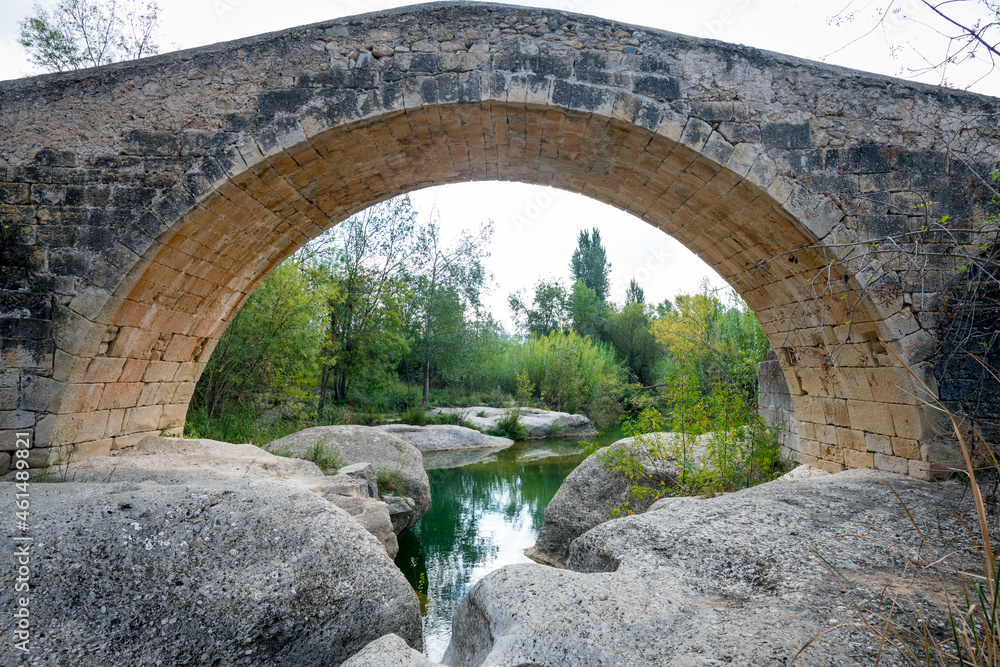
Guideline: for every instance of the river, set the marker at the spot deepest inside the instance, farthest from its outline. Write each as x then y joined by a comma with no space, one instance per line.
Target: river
484,515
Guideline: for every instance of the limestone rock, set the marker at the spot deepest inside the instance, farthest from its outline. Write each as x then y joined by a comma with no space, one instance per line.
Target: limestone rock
398,463
389,651
584,500
188,461
179,460
222,571
354,490
439,437
539,423
727,580
374,516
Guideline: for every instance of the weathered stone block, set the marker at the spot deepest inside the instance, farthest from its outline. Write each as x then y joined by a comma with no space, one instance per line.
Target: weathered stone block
854,459
786,135
892,464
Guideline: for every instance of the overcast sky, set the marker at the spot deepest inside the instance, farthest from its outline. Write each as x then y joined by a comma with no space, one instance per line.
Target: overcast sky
536,228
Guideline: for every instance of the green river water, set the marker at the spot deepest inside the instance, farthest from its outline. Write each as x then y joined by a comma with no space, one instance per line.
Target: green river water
484,514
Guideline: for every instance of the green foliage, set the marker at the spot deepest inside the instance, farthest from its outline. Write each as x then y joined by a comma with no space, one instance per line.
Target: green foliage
446,283
510,425
567,370
590,265
587,312
549,312
89,33
634,294
740,452
328,461
359,268
415,416
390,482
269,348
709,342
628,333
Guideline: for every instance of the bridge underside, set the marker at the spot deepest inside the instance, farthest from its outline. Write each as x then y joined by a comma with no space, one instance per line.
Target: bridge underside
146,231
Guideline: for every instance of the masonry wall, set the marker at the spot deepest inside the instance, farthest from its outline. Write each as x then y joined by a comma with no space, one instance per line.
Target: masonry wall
147,200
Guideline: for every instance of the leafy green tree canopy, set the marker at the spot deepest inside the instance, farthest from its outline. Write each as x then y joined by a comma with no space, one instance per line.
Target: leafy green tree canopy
635,294
590,263
587,312
88,33
549,312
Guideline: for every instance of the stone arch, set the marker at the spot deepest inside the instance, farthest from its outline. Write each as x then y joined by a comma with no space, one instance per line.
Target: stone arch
688,135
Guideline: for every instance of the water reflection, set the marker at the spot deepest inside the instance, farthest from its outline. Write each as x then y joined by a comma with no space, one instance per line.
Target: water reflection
483,516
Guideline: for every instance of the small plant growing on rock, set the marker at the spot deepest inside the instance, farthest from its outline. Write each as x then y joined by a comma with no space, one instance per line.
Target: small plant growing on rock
327,460
510,426
389,482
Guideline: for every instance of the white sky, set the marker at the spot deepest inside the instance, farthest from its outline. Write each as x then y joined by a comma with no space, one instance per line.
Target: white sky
536,228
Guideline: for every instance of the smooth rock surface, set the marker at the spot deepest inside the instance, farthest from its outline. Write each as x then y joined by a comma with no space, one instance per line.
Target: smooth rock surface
727,580
585,499
355,491
389,651
224,572
179,460
539,423
186,461
392,457
441,437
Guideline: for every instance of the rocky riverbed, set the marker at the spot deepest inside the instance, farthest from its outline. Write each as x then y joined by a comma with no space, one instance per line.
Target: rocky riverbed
735,579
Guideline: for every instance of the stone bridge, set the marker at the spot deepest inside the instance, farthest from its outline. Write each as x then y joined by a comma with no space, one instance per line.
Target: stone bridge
142,202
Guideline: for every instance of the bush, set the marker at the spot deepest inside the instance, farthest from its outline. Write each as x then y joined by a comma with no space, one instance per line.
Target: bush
569,372
510,426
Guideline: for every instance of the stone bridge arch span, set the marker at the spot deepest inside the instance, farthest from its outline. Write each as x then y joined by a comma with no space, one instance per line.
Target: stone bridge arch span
153,225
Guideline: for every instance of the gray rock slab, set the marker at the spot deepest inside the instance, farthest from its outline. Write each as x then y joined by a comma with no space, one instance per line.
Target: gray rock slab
226,572
438,437
392,457
179,460
586,498
187,461
539,423
726,580
389,651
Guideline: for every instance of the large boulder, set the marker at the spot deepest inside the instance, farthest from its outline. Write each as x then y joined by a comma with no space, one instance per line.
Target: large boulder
179,460
589,494
185,461
538,423
726,580
222,572
440,437
354,489
389,651
399,464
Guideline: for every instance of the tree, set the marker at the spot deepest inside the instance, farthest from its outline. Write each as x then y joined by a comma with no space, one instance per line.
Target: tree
89,33
549,311
663,308
587,312
362,263
447,282
270,346
589,264
635,293
628,333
